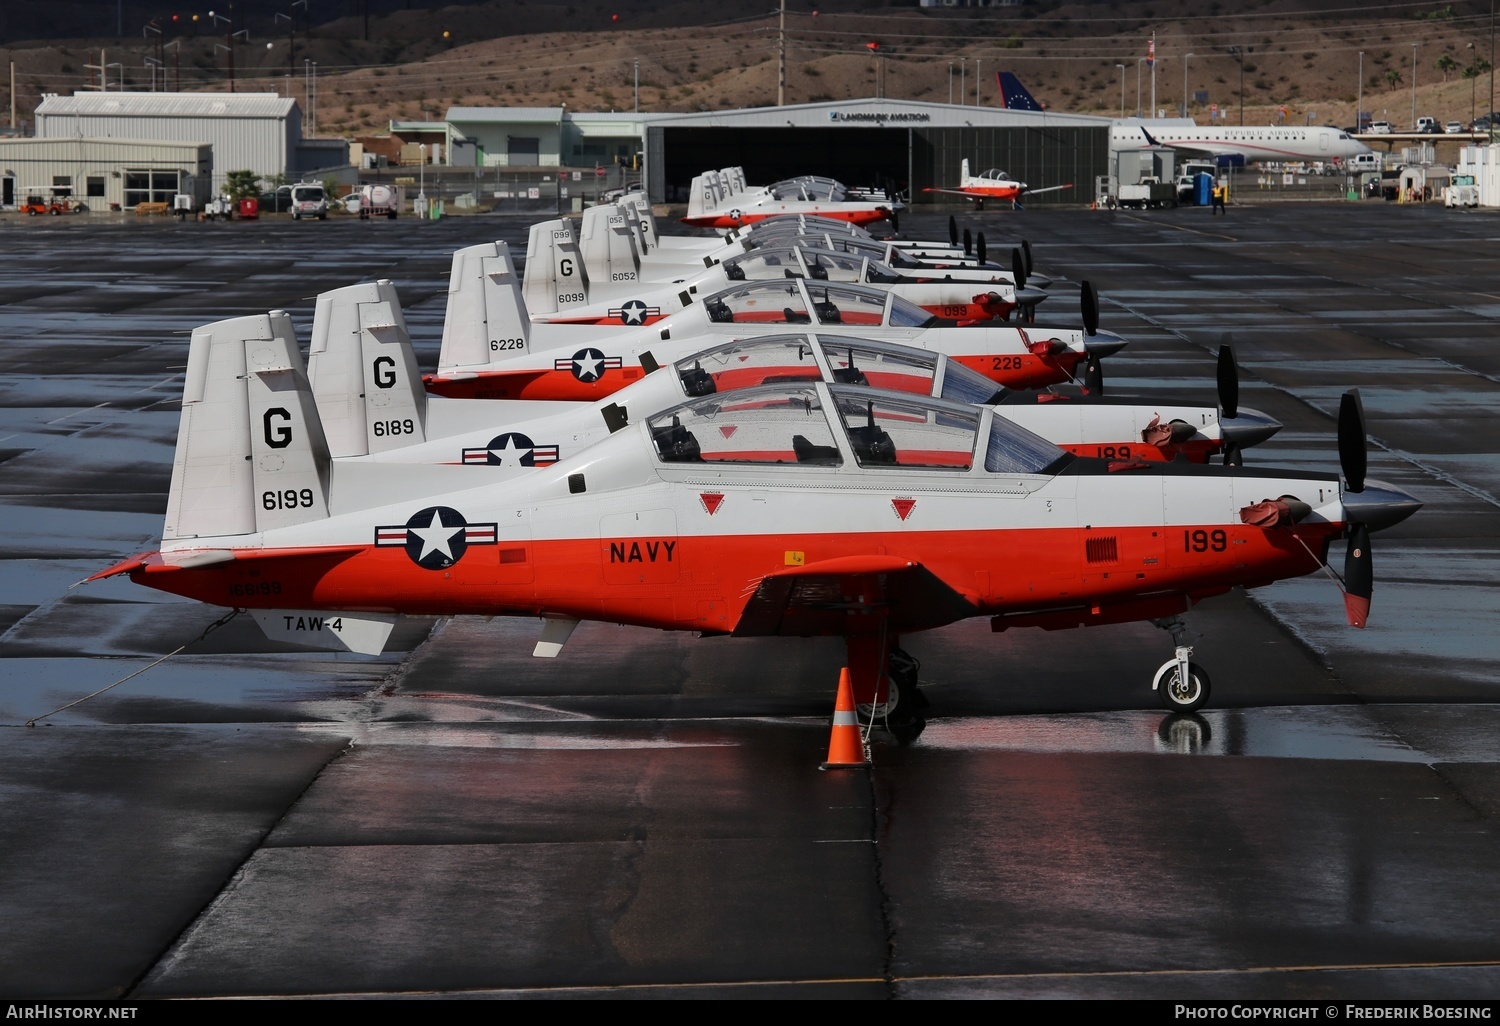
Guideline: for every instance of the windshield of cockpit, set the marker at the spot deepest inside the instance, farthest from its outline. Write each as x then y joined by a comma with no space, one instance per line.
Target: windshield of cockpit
1014,450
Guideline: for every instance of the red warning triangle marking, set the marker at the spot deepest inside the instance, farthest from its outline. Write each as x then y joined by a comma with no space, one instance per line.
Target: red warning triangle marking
903,507
711,501
728,430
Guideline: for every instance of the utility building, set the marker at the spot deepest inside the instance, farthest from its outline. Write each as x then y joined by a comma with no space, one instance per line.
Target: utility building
104,173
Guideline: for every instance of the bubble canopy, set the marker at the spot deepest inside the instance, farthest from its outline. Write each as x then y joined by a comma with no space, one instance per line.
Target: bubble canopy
831,426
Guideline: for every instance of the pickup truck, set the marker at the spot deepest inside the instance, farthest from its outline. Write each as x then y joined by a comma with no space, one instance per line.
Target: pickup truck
1148,192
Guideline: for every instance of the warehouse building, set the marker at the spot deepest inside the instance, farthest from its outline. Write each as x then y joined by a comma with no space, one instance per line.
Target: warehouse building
260,132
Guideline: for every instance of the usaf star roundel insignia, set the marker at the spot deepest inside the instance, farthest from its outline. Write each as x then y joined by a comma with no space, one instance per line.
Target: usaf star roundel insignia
511,449
435,538
588,365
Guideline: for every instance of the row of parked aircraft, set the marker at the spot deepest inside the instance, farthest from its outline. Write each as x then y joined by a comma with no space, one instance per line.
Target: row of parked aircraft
777,454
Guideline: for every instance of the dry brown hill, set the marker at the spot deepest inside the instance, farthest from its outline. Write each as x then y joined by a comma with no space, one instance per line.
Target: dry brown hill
1302,55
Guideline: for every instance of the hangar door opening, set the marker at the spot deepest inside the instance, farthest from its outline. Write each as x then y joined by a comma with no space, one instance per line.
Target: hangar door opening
855,156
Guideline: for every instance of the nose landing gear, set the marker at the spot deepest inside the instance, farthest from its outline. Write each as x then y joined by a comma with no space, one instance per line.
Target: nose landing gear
1181,684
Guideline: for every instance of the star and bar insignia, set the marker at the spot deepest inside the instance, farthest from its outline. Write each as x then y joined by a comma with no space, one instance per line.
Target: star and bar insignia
511,449
437,537
588,365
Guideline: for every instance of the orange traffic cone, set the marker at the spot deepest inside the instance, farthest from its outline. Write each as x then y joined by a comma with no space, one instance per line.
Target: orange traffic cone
845,748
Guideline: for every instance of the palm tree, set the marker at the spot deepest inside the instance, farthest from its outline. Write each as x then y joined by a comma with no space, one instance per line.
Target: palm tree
1446,64
1393,78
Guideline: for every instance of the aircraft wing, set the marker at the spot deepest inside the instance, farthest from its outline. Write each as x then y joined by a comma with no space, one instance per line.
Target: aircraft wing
822,598
957,192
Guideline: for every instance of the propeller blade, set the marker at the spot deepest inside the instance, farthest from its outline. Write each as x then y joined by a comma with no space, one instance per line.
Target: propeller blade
895,221
1359,576
1229,380
1018,269
1093,376
1088,300
1026,248
1353,456
968,243
952,230
980,249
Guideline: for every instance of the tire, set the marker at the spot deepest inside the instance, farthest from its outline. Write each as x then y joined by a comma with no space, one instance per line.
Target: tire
391,216
1176,698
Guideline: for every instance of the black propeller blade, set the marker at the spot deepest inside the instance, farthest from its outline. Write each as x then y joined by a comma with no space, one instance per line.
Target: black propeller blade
1229,380
1088,300
1359,576
1018,269
1353,456
1093,375
968,243
895,221
1026,248
952,230
980,249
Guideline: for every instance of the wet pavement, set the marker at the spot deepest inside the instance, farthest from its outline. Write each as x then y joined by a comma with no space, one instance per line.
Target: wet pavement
643,816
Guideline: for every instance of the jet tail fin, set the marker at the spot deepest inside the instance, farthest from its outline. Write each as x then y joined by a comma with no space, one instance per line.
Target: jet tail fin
1150,140
487,319
363,371
555,277
606,239
640,206
251,455
1014,95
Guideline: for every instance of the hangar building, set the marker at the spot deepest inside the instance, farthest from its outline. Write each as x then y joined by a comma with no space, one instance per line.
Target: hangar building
859,142
104,173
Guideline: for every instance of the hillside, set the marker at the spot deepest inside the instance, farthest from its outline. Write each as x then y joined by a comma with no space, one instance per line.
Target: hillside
1302,55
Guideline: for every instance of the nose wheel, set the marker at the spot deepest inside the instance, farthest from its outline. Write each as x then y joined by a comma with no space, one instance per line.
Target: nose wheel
1181,684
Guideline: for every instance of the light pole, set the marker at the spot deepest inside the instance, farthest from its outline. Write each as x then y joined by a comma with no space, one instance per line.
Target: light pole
1238,53
977,80
1359,96
950,85
1414,87
963,82
637,86
1122,90
1473,85
1138,62
1184,82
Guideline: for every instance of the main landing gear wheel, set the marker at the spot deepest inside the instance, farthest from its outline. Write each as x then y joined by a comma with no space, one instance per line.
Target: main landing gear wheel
901,712
1175,694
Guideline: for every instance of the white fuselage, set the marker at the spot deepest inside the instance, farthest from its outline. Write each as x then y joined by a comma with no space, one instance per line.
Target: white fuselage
1249,144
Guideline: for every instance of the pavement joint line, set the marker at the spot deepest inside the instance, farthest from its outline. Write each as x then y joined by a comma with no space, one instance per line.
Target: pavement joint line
173,944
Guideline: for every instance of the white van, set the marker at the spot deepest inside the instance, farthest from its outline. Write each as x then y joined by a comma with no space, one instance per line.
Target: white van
1365,162
309,200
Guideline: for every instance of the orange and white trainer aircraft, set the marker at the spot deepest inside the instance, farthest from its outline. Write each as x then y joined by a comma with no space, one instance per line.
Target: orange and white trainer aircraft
793,509
493,350
364,379
993,184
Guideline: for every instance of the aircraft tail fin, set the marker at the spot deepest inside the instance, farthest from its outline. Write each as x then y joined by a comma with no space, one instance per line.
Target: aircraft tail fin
251,455
1015,96
555,278
701,199
963,171
363,371
606,239
487,319
638,204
